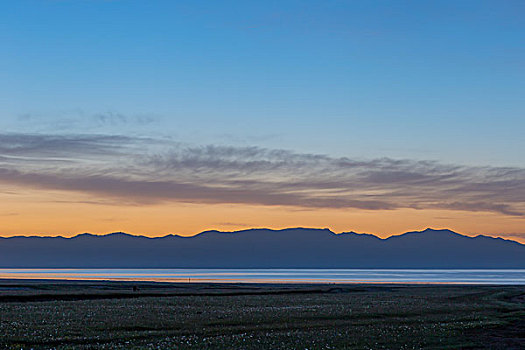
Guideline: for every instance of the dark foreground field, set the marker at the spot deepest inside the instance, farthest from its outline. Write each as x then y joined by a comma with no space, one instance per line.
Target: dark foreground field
110,315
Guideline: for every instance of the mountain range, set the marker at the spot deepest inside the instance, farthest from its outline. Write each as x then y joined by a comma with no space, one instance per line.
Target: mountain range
264,248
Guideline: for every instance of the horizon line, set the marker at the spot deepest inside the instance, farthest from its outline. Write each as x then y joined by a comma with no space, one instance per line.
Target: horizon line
260,229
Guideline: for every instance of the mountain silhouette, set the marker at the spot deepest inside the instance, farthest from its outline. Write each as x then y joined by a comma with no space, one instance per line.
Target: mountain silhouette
264,248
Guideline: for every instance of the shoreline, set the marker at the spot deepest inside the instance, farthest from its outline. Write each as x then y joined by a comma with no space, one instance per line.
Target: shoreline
277,276
261,283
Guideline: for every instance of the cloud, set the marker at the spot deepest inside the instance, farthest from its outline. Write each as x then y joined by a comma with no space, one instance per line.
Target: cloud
73,146
115,119
516,234
227,223
9,214
143,171
79,119
147,191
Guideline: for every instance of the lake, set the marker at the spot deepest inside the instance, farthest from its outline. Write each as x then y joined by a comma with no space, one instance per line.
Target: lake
277,275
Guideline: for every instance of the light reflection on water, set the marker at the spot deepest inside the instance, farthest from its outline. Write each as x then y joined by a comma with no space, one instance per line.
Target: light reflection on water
277,275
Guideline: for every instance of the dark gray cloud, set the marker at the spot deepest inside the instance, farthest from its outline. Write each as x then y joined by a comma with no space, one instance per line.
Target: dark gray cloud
59,146
149,191
142,171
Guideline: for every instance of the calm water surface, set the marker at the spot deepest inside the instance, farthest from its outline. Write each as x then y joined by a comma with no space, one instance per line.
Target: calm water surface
277,275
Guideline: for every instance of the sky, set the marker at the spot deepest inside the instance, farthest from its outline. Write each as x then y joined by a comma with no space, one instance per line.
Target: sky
157,117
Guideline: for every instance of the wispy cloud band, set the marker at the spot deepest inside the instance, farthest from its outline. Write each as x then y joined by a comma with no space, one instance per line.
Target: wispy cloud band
145,171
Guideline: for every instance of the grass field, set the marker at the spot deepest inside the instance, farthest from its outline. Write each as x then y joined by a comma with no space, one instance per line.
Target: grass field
110,315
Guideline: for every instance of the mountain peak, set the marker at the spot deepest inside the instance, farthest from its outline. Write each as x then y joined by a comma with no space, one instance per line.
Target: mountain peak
430,229
120,233
428,232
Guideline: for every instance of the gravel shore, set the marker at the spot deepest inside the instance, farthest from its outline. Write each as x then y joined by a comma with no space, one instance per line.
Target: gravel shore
142,315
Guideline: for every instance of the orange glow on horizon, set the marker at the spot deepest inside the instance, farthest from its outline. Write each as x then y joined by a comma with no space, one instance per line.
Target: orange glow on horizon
46,213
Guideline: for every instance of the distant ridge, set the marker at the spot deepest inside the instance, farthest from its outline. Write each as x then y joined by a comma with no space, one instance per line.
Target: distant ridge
264,248
88,234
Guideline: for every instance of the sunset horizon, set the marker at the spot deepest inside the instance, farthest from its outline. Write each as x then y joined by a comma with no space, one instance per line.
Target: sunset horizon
157,118
292,174
63,184
510,237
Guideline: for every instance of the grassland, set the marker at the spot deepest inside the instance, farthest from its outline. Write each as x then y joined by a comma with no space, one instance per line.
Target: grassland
110,315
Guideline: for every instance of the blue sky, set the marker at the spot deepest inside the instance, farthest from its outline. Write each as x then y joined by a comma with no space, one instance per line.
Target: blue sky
441,80
180,116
